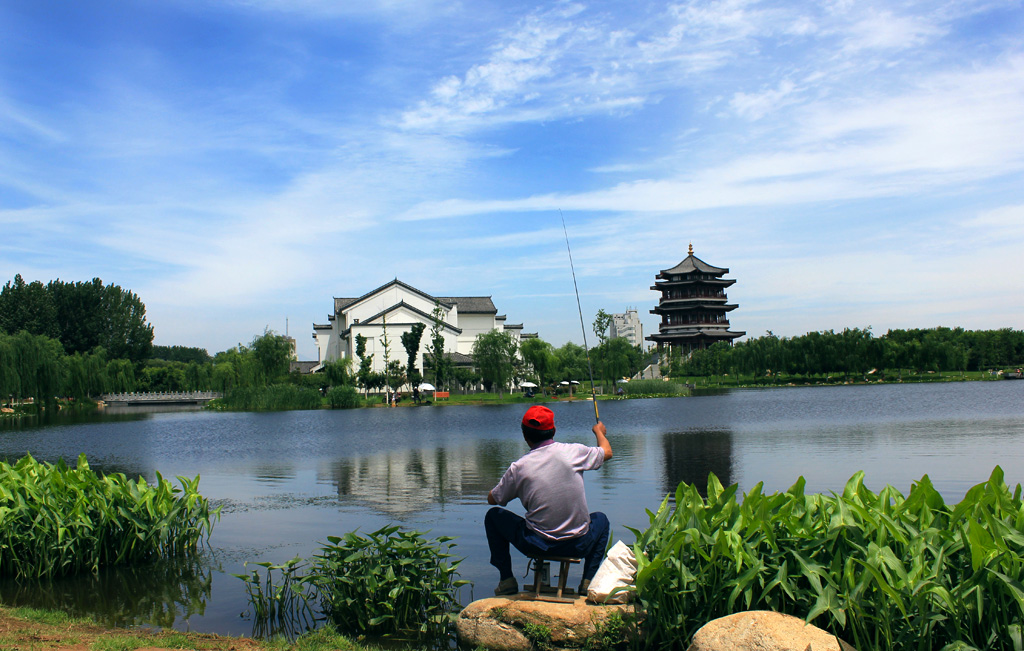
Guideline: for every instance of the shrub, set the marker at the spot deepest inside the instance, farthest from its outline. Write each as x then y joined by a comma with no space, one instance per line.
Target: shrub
276,397
343,397
56,520
882,571
652,388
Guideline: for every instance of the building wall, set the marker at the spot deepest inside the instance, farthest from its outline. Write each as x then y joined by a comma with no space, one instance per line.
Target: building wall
627,325
364,318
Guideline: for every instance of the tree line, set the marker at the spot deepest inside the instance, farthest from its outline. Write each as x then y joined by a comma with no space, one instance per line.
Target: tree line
856,352
69,339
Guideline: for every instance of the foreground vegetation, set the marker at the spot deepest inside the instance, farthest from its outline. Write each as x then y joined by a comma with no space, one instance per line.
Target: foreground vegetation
56,520
390,582
881,571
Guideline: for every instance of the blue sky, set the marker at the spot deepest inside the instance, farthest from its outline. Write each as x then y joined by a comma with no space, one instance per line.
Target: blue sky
238,164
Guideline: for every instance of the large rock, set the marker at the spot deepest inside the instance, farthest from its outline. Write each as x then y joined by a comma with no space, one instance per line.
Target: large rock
761,630
508,623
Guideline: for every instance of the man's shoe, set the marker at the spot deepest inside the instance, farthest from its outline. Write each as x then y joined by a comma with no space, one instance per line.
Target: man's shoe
506,586
584,587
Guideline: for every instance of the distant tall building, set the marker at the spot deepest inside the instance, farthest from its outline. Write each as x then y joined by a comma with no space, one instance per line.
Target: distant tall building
627,325
692,306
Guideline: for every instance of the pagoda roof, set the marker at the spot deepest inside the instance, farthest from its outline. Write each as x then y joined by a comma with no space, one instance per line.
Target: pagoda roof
690,304
710,333
692,263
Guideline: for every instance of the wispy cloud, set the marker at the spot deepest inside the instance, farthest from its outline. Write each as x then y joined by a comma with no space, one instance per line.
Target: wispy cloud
263,156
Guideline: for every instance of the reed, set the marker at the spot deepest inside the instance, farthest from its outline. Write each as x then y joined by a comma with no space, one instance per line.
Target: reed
881,570
276,397
56,520
639,388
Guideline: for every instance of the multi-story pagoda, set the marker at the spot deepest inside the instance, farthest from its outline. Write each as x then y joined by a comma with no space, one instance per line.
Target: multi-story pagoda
693,306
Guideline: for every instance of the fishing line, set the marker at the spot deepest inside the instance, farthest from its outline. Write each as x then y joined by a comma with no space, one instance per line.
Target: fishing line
593,391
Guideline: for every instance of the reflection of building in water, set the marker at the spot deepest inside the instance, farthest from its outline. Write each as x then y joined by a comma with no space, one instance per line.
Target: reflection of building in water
402,482
689,456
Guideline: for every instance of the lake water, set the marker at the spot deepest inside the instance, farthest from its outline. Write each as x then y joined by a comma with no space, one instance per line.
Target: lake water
288,480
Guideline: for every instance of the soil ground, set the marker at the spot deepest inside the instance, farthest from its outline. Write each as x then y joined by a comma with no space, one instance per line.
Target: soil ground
22,634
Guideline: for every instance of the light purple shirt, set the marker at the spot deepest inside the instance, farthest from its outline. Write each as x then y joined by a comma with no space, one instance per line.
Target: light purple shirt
548,480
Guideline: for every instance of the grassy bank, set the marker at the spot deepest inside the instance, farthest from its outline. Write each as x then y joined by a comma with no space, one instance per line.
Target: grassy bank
26,629
735,381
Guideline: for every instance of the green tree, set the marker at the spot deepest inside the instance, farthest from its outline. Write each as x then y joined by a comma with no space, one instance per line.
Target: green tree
602,323
540,356
180,354
365,373
411,342
28,307
495,354
439,361
120,376
272,354
572,362
40,365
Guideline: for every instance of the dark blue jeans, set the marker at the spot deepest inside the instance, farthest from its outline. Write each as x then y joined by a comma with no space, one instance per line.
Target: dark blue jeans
504,527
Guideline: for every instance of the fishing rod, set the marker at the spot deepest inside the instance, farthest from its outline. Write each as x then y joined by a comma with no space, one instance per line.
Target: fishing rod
593,391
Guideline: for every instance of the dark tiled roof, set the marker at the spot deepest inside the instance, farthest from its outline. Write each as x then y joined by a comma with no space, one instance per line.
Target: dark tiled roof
302,367
693,263
371,320
460,359
342,303
471,304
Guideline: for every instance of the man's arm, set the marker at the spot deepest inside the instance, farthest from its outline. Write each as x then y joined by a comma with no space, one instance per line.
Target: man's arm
602,440
490,498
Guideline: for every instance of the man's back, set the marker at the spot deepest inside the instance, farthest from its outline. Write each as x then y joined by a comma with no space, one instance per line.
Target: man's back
548,480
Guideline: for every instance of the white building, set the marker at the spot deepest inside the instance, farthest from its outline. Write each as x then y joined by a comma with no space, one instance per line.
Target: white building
628,326
397,306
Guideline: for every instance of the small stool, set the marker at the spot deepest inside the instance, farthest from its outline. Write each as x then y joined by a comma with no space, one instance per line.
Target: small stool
563,575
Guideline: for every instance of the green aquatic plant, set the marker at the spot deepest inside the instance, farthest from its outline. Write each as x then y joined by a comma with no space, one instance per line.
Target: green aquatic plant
388,582
878,570
278,600
56,520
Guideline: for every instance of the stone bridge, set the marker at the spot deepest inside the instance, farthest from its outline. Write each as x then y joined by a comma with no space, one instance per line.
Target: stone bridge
160,398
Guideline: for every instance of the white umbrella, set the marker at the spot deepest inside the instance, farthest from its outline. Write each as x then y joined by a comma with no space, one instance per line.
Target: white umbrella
573,382
427,386
529,385
564,383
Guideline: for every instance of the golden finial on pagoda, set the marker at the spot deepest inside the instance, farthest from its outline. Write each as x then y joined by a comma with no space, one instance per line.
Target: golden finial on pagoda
691,248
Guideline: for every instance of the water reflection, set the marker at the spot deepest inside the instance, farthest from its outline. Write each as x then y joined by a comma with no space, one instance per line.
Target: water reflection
399,484
691,455
160,594
290,480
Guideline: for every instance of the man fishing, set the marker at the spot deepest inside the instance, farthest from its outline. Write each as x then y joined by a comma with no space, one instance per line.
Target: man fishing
548,480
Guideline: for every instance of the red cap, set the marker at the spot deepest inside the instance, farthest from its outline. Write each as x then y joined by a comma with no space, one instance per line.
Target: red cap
539,417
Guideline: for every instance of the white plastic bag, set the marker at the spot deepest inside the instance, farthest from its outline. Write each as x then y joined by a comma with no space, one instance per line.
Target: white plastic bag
617,571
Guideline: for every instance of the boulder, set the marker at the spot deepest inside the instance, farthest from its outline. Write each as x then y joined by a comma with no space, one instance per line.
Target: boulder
514,623
761,630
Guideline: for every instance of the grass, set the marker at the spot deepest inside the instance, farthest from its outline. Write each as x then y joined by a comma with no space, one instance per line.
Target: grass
786,379
25,629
